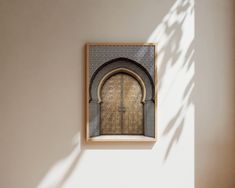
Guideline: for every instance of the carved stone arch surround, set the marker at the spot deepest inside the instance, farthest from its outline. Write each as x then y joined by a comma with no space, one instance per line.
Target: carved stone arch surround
96,79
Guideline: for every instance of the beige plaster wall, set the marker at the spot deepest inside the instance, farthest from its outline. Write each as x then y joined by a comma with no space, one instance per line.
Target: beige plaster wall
214,94
42,90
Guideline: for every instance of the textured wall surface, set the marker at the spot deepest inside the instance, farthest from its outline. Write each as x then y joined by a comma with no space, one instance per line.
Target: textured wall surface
42,94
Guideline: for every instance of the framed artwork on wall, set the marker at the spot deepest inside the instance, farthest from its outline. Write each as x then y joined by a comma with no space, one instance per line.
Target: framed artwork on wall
121,97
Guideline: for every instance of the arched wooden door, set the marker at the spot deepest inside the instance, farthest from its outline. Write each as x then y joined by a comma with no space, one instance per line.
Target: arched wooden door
121,106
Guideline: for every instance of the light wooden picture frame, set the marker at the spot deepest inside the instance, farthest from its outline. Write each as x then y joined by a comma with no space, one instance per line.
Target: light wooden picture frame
121,94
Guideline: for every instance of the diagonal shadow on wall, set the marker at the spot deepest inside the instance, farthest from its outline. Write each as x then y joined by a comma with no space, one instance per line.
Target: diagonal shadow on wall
176,55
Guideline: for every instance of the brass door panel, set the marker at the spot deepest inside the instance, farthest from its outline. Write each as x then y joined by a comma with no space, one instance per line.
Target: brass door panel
132,97
111,97
121,106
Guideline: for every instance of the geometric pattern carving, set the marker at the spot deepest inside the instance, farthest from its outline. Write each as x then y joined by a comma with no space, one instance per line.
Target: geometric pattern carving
142,54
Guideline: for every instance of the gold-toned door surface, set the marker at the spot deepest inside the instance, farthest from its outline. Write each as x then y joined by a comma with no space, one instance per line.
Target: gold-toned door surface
111,97
133,115
121,107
